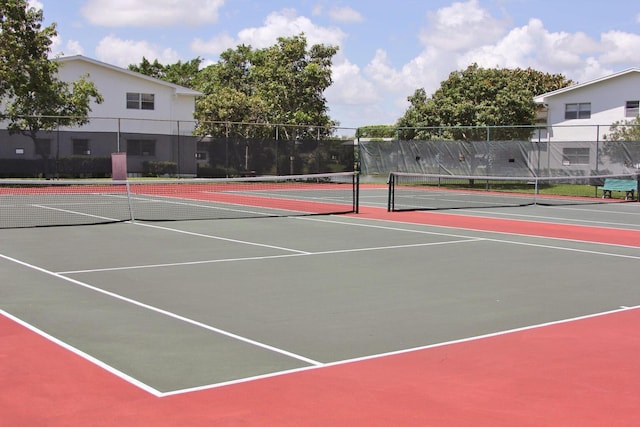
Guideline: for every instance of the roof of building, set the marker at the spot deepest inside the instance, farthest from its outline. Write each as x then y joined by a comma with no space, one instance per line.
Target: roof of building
179,90
541,98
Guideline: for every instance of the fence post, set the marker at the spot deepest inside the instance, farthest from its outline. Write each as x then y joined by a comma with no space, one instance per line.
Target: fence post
178,142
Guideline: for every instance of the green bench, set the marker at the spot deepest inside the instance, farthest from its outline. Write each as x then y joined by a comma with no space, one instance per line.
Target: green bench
629,186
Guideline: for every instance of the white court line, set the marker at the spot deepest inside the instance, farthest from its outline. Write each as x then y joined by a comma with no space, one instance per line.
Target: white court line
487,239
569,220
465,239
79,213
470,229
399,352
266,257
164,312
168,200
84,355
208,236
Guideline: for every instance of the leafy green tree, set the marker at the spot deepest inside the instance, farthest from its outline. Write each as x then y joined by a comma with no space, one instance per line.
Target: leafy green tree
230,107
625,130
280,85
479,97
251,92
23,41
180,73
33,97
622,144
376,131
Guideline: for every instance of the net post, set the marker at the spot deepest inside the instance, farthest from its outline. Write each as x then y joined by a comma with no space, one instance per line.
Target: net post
356,192
390,192
129,200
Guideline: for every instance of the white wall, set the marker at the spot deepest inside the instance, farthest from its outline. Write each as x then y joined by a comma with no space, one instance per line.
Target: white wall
112,115
607,98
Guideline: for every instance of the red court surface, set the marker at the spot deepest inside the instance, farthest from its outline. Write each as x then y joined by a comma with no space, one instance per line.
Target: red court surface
580,373
542,229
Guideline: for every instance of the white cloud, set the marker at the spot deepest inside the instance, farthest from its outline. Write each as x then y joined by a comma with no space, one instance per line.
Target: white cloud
214,46
349,86
121,52
345,14
157,13
620,47
73,48
533,46
576,55
60,48
464,33
380,71
449,34
35,4
286,23
461,26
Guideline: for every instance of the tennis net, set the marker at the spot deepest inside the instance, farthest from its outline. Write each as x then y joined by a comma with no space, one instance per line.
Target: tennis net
413,191
38,203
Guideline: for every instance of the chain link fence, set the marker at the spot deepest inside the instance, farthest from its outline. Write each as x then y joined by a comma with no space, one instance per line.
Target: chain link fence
170,148
543,152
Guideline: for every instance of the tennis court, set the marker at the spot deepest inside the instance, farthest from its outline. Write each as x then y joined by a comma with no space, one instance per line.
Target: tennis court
506,316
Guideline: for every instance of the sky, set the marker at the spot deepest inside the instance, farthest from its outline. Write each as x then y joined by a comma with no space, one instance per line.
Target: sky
387,49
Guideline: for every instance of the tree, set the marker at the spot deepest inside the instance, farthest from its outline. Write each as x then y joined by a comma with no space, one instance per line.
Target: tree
180,73
479,97
376,131
280,85
34,98
21,39
249,92
230,105
625,130
623,143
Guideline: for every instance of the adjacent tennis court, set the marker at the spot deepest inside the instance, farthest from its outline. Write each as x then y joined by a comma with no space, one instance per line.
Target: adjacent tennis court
506,316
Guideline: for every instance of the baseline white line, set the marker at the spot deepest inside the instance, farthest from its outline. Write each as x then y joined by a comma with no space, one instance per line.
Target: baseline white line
404,351
164,312
84,355
258,258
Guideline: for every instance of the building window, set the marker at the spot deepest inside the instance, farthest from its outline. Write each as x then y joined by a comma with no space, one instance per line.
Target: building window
577,111
575,156
632,109
141,147
201,155
140,101
81,147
